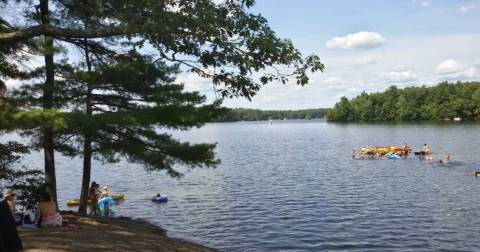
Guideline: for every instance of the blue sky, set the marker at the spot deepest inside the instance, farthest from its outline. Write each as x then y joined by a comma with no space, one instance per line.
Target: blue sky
368,45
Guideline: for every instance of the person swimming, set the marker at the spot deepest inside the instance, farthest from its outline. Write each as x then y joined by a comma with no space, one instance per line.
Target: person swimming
446,159
160,198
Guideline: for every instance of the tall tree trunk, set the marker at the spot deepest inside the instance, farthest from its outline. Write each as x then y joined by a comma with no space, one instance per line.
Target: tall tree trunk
48,88
87,148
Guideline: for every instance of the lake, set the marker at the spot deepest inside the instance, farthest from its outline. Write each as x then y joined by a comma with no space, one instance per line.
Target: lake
293,186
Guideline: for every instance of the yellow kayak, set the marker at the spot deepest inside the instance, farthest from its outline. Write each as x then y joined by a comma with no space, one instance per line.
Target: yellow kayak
76,202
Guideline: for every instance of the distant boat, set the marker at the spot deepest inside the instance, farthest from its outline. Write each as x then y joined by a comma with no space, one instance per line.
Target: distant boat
270,121
457,119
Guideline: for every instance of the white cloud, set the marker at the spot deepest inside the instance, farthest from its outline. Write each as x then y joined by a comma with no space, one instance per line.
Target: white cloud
365,61
13,83
426,3
404,61
467,7
362,40
333,81
470,72
449,67
452,69
423,3
195,83
400,76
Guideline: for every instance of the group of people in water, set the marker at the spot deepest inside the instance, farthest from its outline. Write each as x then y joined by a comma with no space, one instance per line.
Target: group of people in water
425,154
94,195
396,152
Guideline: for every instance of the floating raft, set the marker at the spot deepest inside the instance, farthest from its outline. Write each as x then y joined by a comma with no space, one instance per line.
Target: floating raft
400,150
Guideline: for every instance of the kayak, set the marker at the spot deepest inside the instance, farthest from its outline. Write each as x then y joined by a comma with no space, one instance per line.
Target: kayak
76,202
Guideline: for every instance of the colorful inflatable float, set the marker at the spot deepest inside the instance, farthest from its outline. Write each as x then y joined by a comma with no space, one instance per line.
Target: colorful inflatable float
383,150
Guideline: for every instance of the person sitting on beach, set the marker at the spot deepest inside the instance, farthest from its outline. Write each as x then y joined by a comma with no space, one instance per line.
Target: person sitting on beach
93,195
46,214
10,199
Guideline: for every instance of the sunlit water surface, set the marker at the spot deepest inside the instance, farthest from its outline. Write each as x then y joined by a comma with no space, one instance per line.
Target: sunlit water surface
292,185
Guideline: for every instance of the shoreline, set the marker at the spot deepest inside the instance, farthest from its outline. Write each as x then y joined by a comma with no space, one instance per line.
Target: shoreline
109,234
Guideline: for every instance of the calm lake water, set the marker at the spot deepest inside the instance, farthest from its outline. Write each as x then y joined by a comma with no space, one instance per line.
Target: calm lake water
293,186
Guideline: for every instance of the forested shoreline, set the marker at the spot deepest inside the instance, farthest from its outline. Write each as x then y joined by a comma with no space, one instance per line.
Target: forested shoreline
444,101
242,114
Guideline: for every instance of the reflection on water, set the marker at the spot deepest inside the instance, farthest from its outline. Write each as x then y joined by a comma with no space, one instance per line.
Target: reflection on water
292,185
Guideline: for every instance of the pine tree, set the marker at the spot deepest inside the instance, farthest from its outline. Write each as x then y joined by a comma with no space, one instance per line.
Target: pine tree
66,113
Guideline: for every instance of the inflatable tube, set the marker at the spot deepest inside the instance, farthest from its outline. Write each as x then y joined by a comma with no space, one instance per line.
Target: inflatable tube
161,199
392,156
107,200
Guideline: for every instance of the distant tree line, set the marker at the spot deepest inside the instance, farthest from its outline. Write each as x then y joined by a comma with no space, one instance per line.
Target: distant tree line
242,114
444,101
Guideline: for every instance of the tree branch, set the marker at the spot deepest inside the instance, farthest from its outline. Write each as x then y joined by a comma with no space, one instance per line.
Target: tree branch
58,32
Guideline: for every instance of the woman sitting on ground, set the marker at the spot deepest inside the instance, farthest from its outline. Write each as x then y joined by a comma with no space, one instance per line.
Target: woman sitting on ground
46,214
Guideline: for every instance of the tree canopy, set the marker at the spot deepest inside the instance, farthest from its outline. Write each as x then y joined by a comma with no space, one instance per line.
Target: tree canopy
107,86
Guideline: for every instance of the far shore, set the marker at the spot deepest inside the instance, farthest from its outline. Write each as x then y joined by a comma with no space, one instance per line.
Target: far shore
90,233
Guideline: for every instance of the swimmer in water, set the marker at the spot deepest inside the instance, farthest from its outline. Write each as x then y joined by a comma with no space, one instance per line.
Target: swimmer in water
446,159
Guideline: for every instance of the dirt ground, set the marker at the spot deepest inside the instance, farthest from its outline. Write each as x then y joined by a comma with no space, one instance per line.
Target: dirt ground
98,234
